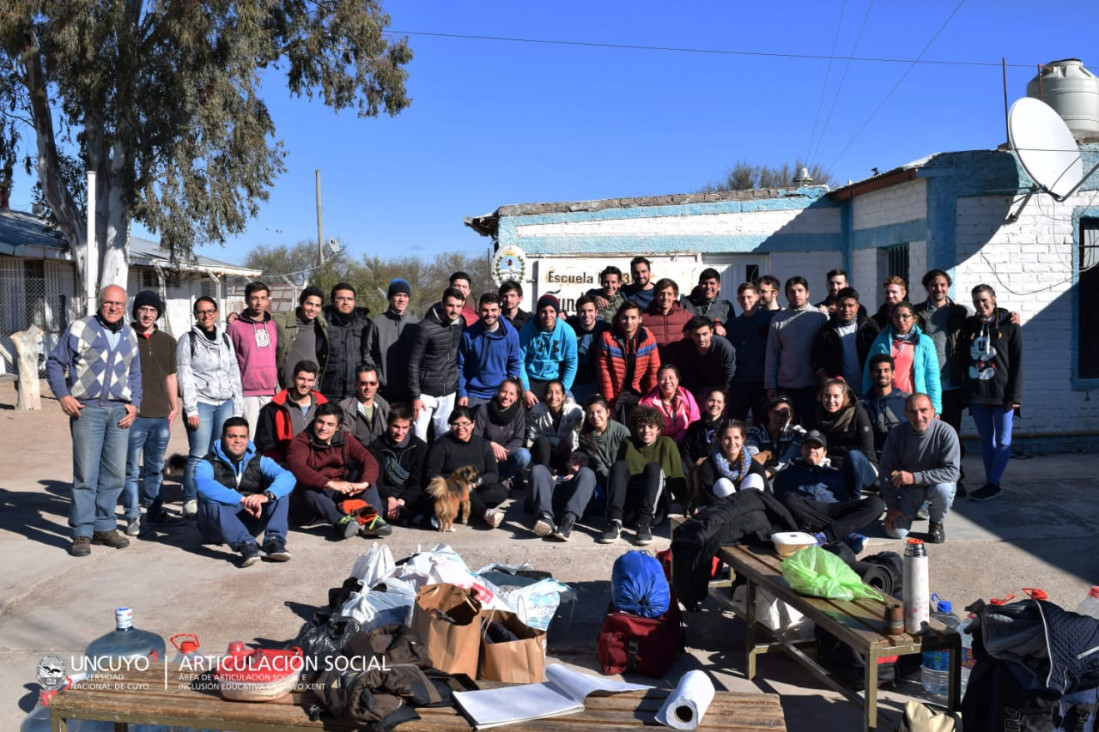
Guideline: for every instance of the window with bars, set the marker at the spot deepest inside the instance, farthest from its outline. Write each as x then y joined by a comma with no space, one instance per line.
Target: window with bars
895,261
1087,291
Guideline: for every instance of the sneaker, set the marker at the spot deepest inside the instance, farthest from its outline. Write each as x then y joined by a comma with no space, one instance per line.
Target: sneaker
644,534
81,547
544,526
564,530
821,538
133,527
275,549
375,528
613,532
110,538
494,517
935,533
346,527
857,542
157,516
190,508
922,514
249,554
986,492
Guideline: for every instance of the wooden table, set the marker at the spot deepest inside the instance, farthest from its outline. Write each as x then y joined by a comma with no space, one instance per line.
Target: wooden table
141,698
858,623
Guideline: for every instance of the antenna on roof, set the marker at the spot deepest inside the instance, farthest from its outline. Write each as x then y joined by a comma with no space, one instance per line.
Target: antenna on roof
1046,148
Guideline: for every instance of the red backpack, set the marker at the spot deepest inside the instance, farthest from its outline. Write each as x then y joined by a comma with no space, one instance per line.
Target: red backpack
647,646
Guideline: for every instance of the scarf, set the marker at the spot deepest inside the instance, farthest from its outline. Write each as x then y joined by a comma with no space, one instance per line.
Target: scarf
501,417
837,423
115,327
735,473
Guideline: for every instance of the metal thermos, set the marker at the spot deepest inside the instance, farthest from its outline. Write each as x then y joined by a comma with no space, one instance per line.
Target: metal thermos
917,598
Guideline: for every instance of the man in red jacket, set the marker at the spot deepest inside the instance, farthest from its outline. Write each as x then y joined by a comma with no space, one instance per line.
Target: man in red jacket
331,468
628,361
287,415
665,318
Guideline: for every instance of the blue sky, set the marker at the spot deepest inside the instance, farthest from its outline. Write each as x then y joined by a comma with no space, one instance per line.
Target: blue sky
495,122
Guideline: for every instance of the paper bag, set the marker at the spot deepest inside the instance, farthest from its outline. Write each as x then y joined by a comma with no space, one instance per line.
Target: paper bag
451,646
521,661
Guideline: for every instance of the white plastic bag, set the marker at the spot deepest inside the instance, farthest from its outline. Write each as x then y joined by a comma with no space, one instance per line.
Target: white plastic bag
537,603
374,566
377,607
774,614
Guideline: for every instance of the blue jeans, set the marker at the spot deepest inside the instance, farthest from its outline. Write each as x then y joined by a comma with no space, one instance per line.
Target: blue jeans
517,460
99,468
858,473
994,427
221,524
148,435
939,496
201,440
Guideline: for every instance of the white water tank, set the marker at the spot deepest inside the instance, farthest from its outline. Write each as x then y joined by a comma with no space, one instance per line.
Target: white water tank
1072,91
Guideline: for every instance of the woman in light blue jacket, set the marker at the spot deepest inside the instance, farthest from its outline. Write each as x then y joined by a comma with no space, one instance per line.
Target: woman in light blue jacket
915,360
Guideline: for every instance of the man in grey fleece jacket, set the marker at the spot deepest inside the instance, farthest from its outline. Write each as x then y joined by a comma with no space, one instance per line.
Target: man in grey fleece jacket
788,368
919,462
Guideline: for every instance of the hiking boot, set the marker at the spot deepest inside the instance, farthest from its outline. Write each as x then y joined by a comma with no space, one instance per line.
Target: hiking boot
613,532
346,527
249,554
110,538
935,533
81,547
564,530
190,508
375,528
644,534
494,517
133,527
275,549
986,492
544,526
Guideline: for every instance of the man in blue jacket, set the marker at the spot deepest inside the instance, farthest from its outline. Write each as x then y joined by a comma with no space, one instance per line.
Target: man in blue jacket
243,493
547,345
488,354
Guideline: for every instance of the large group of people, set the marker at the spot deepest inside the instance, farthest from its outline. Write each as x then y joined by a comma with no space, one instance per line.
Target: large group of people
644,401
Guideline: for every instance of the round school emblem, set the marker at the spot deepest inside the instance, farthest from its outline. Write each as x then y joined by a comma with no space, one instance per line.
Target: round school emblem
50,673
510,263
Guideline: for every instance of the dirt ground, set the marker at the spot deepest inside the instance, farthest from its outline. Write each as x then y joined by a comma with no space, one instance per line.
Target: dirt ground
1040,534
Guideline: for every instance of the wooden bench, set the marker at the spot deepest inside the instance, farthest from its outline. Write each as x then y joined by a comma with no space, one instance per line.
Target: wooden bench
859,624
145,698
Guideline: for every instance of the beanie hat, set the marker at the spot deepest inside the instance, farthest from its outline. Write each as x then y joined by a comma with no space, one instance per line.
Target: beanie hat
550,300
150,299
399,286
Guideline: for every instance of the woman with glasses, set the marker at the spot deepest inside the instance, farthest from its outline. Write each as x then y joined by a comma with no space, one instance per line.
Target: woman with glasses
209,379
460,447
915,359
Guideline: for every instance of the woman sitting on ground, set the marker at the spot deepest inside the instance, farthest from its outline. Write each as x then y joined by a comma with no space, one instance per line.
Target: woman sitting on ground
566,496
647,463
729,468
846,426
676,405
502,421
553,427
601,438
460,447
777,441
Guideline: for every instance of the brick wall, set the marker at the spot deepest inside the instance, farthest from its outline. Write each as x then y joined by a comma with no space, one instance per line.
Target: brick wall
892,205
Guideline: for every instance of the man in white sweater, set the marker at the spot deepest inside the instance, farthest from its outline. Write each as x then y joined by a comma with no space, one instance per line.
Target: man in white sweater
919,462
788,367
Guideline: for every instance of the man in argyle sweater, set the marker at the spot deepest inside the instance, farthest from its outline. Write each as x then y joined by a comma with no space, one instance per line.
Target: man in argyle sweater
95,373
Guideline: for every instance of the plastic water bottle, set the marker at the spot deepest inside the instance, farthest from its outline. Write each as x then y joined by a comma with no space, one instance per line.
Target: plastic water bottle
39,718
1090,604
125,648
935,674
916,590
967,651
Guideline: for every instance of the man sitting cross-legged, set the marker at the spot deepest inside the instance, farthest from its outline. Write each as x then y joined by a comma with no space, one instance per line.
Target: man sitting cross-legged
242,494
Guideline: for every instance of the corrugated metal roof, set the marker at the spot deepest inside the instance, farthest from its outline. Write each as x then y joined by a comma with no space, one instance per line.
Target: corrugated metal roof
21,229
143,251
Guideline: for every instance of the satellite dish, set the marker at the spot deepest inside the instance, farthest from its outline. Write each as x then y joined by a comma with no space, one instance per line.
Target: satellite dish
1045,147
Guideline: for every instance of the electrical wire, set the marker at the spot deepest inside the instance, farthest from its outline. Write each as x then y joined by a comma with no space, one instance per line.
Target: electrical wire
710,51
824,86
846,68
904,76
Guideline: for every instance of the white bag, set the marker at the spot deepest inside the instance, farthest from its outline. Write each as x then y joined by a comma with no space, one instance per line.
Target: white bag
785,621
375,608
374,566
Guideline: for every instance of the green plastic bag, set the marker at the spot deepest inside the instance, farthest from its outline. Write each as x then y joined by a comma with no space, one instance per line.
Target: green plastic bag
819,573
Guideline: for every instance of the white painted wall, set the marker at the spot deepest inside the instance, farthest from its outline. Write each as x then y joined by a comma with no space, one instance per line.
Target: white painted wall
893,205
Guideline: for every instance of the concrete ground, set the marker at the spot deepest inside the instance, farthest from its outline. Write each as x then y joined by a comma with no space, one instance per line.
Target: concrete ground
1041,533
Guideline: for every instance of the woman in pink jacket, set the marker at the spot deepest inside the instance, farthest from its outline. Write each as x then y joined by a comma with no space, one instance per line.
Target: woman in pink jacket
673,401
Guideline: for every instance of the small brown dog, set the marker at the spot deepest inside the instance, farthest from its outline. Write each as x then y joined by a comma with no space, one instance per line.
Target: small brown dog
451,496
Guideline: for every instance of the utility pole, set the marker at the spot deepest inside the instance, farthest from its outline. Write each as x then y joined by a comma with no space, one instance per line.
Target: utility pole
320,222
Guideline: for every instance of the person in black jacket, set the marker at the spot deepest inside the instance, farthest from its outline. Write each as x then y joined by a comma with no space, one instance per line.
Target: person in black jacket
843,343
350,332
850,436
433,363
729,468
401,455
460,447
993,382
503,422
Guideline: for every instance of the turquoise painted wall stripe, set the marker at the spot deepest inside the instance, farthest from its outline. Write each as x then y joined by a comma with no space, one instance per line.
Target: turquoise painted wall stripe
629,245
888,235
